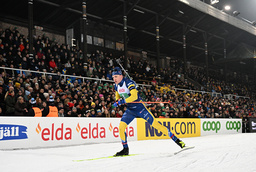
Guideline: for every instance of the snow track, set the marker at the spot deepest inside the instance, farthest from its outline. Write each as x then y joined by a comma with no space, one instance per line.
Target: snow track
236,152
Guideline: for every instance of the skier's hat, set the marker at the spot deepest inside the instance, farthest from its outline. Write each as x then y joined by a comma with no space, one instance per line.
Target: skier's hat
116,71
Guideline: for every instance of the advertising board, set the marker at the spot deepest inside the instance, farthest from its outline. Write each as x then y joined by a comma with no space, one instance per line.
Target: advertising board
181,127
32,132
252,125
211,126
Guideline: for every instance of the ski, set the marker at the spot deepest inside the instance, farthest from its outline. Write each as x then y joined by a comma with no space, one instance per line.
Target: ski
106,157
113,156
183,149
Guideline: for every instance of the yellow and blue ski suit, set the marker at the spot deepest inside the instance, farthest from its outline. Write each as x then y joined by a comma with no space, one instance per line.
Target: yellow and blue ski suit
126,89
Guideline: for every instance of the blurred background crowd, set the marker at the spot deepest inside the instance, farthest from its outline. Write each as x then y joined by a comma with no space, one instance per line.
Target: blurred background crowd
76,96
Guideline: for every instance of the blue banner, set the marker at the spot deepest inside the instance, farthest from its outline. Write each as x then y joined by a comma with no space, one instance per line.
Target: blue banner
12,132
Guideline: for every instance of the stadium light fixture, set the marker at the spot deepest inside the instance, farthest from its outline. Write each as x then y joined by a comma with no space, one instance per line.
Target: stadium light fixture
214,1
139,11
227,7
181,12
236,13
191,30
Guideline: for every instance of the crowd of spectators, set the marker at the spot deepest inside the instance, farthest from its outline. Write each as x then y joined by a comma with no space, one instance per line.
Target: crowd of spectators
235,83
77,97
217,83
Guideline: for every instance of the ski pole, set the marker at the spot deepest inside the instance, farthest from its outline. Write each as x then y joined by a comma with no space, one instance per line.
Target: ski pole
150,102
156,102
118,61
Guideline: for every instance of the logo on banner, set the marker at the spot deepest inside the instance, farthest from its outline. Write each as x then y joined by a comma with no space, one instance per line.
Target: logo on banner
110,127
12,132
216,126
233,125
179,127
54,133
115,130
91,131
253,125
95,131
78,128
211,126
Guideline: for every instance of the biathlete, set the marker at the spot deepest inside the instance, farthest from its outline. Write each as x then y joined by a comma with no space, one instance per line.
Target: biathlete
126,92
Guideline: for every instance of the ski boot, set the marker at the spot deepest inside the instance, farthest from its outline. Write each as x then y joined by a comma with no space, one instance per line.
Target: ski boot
123,152
180,143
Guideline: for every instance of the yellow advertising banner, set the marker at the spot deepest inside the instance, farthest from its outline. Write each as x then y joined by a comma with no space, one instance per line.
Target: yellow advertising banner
181,127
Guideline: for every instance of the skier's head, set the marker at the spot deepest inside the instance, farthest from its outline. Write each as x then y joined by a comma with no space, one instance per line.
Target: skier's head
117,75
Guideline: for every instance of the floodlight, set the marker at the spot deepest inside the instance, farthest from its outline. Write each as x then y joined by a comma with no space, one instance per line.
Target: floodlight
227,7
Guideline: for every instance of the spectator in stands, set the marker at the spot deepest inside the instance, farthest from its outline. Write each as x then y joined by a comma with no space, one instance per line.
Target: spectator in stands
20,107
50,110
53,65
34,110
93,113
61,112
106,113
10,103
99,113
2,95
74,113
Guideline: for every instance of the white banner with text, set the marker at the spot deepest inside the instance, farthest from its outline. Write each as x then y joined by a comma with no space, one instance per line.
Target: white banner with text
211,126
20,132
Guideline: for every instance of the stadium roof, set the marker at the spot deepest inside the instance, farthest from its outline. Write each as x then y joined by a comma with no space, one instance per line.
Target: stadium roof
246,8
173,16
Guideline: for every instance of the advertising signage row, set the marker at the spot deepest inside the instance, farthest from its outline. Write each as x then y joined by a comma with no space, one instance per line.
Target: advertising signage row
20,133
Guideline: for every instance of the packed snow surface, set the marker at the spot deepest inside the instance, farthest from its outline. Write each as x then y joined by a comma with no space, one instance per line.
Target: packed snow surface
236,152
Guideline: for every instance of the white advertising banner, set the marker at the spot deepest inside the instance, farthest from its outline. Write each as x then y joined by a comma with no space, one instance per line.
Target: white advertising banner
20,132
220,126
30,132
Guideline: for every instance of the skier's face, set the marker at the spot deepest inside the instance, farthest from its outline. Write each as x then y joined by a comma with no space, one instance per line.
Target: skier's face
117,78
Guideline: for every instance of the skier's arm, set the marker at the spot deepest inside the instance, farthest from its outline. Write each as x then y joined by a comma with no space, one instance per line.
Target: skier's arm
117,96
134,94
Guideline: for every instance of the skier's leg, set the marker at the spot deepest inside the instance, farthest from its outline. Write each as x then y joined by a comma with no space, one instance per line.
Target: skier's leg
167,132
149,117
122,133
125,121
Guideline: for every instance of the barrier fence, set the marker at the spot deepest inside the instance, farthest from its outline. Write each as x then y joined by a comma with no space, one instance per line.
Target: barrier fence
29,132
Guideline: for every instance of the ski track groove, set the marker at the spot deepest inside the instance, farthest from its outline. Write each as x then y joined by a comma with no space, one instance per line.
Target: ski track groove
223,158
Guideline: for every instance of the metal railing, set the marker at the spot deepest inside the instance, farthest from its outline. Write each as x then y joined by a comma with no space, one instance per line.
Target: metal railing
61,75
213,94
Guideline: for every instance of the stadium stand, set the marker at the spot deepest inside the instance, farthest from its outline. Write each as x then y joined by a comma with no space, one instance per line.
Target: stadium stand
76,96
